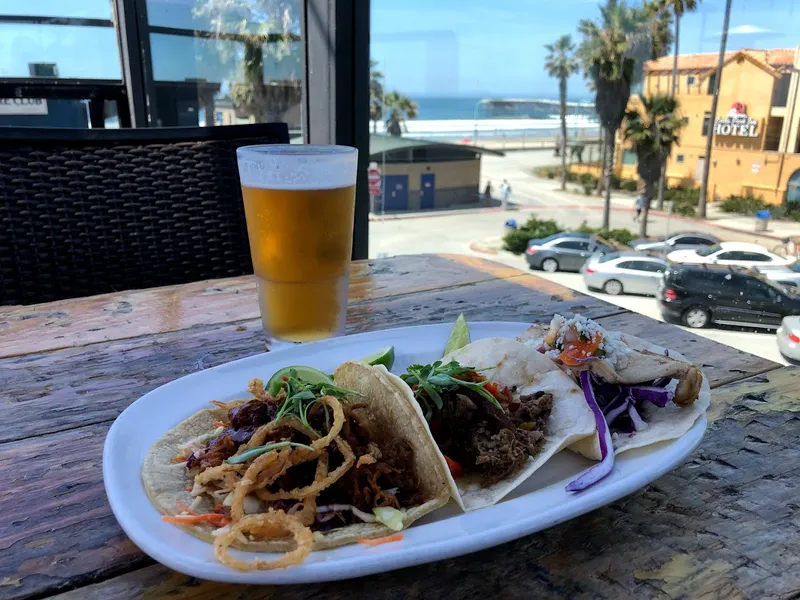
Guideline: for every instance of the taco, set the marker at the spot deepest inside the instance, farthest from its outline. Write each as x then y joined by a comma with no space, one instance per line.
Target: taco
316,466
646,394
497,410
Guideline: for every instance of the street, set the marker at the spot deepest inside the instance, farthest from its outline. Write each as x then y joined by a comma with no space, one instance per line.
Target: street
463,232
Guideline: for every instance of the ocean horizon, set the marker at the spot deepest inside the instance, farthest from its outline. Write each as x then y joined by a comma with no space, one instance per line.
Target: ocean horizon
442,108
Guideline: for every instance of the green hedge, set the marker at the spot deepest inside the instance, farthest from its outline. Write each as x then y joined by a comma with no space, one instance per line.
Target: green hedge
587,180
684,200
517,241
743,205
623,236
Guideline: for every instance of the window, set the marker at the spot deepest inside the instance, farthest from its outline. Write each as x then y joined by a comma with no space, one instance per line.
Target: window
732,255
758,289
706,123
712,83
608,257
679,159
694,241
709,250
241,59
755,256
629,264
572,245
629,157
651,266
690,80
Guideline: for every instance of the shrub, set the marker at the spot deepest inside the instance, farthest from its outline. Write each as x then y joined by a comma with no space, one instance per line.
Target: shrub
517,241
623,236
629,185
684,200
744,205
550,173
615,181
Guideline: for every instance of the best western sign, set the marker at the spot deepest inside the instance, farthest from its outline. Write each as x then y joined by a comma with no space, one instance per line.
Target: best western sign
737,123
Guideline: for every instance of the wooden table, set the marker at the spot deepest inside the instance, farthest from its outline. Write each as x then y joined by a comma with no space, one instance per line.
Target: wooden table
725,525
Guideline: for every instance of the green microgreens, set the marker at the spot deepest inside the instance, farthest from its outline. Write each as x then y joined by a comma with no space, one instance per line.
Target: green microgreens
301,395
437,378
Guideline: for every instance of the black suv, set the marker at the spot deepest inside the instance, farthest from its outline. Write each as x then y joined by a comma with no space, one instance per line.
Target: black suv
697,295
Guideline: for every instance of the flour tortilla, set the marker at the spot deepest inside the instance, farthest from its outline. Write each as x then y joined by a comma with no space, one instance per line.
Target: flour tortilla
514,365
165,482
647,363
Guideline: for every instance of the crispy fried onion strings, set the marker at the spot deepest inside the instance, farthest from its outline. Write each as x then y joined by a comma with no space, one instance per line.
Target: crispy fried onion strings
272,524
265,470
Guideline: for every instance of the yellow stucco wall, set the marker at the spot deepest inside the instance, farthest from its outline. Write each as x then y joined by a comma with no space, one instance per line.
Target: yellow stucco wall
739,165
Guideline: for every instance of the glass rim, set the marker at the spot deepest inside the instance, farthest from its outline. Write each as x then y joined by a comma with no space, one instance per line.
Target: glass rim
298,150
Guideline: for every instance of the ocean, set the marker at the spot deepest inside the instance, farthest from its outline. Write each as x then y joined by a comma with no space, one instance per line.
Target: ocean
466,119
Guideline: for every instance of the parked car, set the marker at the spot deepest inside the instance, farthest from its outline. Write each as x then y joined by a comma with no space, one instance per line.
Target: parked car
675,241
786,276
743,254
564,253
789,338
698,295
624,273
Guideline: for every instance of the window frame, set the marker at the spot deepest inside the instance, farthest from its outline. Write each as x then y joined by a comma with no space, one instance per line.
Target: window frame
334,91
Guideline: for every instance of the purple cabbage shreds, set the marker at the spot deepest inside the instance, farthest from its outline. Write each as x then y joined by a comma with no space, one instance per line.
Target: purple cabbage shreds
636,419
612,415
656,395
603,468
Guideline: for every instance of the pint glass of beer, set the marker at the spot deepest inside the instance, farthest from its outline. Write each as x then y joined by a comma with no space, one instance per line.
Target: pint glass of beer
299,202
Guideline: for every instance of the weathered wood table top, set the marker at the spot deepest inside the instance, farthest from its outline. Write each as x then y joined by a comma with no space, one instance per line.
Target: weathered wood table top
724,525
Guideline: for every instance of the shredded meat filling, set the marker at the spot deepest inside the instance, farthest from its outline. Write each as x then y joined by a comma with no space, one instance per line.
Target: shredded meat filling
385,478
475,433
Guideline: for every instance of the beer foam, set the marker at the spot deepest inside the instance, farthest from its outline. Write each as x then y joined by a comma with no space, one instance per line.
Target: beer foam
297,166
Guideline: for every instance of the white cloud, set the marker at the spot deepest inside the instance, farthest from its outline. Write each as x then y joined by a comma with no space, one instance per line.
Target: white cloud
748,30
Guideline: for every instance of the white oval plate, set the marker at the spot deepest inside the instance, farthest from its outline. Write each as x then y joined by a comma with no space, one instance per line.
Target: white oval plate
539,503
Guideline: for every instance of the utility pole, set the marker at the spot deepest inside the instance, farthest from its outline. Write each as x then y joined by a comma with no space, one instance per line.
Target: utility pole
717,81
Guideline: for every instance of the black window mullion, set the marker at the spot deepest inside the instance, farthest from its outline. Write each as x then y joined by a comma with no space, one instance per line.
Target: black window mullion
134,43
337,91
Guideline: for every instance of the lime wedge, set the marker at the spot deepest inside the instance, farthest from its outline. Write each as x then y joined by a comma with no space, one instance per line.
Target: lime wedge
459,336
384,356
308,374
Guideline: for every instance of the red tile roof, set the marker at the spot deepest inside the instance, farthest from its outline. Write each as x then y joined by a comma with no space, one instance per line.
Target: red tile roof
779,57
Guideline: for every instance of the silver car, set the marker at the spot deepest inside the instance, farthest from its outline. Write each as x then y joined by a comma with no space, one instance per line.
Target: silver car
786,276
789,338
624,273
675,241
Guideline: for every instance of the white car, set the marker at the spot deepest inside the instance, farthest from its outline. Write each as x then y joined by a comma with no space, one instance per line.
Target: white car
743,254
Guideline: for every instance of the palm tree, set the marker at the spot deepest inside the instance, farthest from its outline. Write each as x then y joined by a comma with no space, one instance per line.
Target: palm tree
560,63
401,108
605,53
701,208
652,132
375,95
677,8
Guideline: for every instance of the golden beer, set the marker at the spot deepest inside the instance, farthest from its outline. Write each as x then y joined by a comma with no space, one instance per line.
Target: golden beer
299,203
300,242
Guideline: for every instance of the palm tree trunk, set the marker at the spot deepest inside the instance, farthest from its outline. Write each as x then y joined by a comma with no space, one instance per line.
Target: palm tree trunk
648,193
662,183
701,208
675,58
562,85
375,127
609,170
602,160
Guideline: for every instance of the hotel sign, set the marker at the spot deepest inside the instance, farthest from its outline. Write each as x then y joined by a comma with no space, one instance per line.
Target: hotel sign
736,123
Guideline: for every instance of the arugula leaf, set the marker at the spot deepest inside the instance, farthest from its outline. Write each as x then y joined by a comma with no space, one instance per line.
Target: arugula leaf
301,395
435,379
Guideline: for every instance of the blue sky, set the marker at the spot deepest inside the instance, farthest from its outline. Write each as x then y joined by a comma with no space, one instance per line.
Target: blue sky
496,48
425,47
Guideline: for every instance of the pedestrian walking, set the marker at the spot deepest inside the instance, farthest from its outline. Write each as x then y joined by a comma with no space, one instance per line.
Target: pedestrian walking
505,193
487,194
639,206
